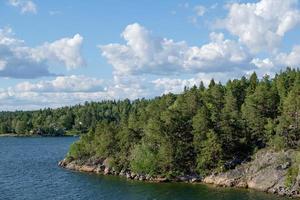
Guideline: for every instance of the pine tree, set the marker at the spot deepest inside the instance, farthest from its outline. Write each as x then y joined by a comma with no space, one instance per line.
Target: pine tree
256,110
233,138
253,81
289,125
206,143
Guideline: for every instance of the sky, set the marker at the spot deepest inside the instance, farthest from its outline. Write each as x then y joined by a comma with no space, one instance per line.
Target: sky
56,53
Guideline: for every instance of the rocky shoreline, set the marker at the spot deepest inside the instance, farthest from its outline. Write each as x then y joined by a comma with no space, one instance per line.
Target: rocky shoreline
101,167
266,172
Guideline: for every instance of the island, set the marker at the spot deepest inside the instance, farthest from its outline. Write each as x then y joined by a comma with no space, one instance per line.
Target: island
244,133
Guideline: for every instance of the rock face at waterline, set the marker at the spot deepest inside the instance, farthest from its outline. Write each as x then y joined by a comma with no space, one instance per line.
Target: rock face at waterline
269,171
100,166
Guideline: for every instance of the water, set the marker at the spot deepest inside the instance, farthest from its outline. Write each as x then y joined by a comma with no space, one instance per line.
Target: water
28,170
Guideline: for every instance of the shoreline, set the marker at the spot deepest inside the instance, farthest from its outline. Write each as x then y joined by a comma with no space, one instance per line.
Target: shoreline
251,175
104,170
21,135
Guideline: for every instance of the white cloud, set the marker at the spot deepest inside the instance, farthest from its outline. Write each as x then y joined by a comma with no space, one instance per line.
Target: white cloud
200,10
263,63
21,61
64,84
64,90
70,90
185,5
218,55
3,64
65,50
26,6
176,85
145,54
279,61
261,25
291,59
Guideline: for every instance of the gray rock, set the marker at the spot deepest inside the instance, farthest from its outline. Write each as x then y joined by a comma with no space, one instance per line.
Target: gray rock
266,172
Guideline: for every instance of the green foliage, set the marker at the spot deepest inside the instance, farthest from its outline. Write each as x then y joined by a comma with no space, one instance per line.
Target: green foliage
258,108
210,156
289,121
104,139
278,142
21,127
291,176
77,151
143,160
293,171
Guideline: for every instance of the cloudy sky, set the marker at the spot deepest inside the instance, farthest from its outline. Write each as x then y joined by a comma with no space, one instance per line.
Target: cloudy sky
63,52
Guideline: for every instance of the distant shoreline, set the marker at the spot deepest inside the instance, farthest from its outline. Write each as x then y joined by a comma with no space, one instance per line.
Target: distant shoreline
20,135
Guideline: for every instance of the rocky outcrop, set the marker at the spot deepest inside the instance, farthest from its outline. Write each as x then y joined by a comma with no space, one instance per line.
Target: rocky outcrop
266,172
93,165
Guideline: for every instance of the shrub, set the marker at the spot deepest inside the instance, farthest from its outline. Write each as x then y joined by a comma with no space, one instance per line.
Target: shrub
277,142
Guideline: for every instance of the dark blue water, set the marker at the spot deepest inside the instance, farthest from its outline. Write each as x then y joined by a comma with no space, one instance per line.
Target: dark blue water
28,170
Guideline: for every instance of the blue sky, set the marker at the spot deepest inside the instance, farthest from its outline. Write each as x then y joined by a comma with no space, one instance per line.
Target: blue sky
55,53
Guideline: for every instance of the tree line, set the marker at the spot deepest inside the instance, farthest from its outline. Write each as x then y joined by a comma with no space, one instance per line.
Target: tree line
201,130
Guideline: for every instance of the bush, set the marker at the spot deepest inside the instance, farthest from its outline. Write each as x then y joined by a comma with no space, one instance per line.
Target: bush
293,171
291,176
78,150
143,160
277,142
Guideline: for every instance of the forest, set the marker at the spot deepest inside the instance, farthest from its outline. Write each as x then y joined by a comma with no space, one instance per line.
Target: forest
201,130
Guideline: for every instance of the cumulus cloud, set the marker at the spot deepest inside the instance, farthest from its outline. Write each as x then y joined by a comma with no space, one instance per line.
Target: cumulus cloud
176,85
63,90
65,84
65,50
218,55
262,25
20,61
25,6
145,54
291,59
278,61
173,85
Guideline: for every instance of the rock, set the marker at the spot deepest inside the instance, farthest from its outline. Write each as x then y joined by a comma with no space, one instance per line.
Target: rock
148,177
122,173
194,179
142,178
63,163
128,175
106,162
265,172
183,178
159,179
232,163
86,168
98,169
284,166
106,171
133,175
